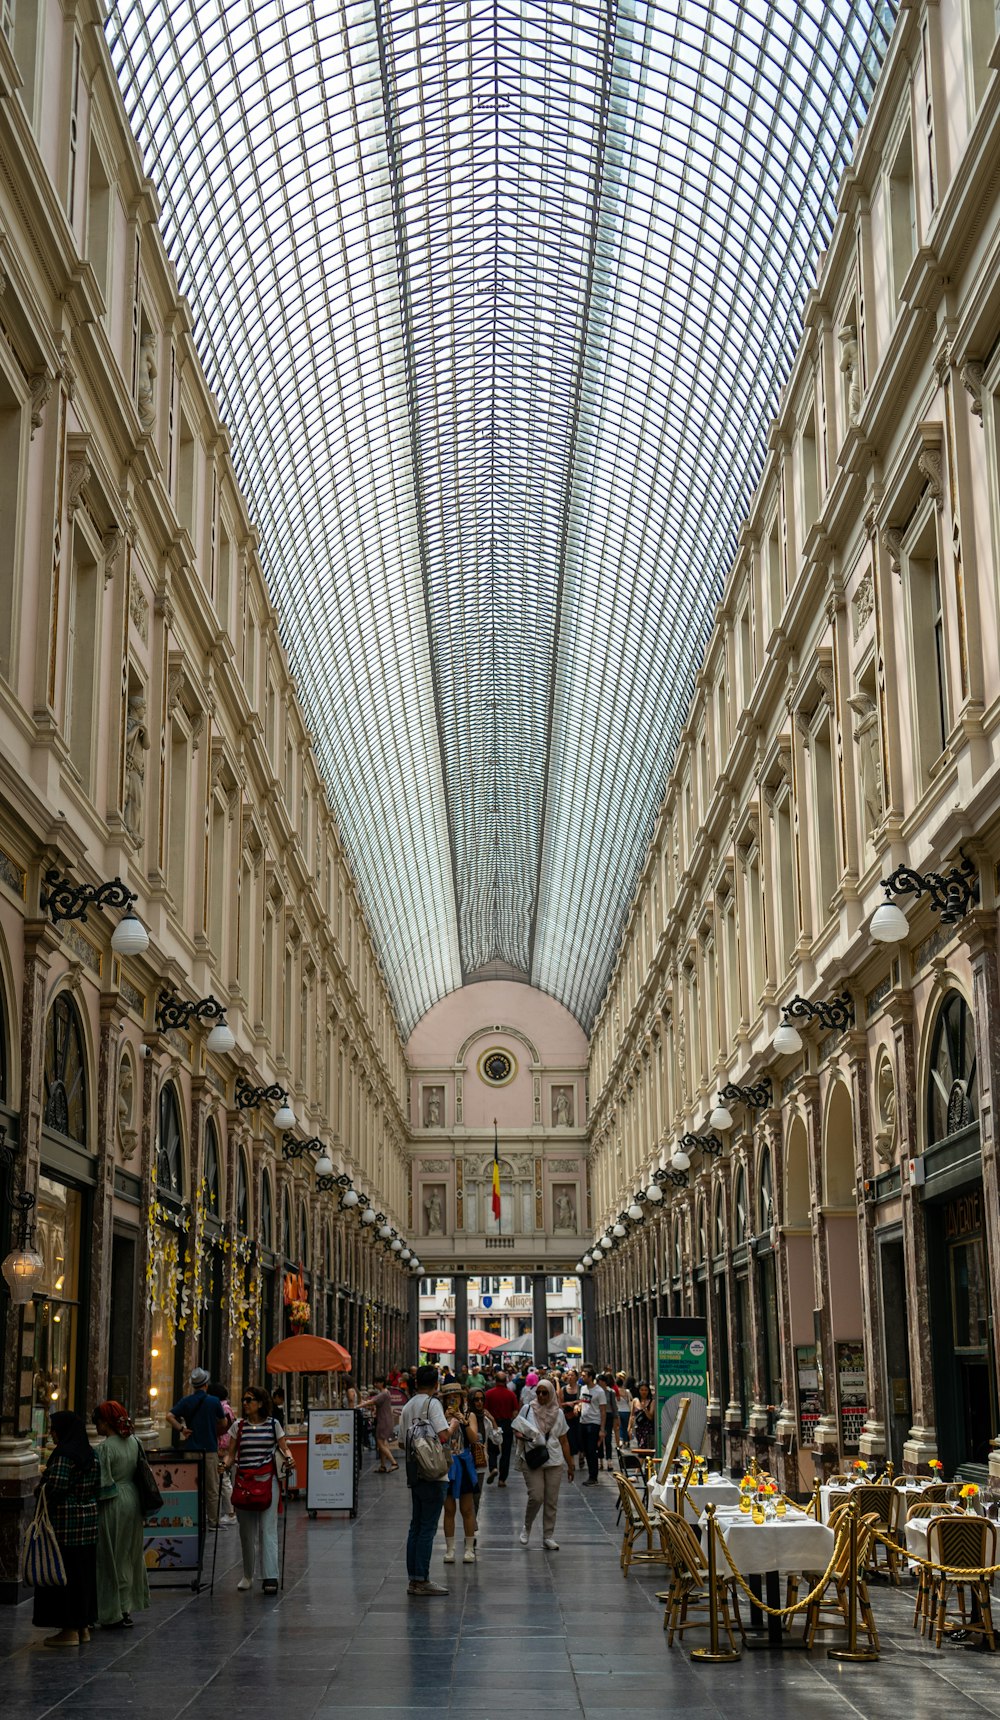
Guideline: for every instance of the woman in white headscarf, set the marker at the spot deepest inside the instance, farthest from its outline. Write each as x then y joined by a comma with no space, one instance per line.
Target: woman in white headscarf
541,1428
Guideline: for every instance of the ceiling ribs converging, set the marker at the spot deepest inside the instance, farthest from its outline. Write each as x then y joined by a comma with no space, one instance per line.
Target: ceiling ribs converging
497,297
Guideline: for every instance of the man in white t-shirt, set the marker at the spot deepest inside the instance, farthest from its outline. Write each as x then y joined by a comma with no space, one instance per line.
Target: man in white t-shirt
426,1497
593,1416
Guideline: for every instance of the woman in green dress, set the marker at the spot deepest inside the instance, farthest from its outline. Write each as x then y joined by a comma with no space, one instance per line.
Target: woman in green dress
122,1585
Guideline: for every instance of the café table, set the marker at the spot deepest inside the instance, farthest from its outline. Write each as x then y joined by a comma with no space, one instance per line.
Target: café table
839,1490
717,1490
768,1552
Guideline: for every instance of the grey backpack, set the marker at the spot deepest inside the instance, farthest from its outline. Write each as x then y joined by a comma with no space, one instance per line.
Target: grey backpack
426,1458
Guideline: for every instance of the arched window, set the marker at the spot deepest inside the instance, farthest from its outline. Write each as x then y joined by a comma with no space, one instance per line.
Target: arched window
741,1216
169,1145
952,1085
303,1235
700,1235
286,1227
266,1213
213,1190
765,1197
242,1198
719,1226
65,1072
678,1251
327,1253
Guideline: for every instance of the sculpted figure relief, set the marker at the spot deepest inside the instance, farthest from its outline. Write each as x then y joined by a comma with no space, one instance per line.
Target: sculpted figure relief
562,1107
433,1108
136,748
869,758
434,1212
565,1206
145,396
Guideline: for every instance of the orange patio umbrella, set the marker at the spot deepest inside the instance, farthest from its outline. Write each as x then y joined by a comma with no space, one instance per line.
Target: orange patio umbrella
307,1354
481,1343
436,1343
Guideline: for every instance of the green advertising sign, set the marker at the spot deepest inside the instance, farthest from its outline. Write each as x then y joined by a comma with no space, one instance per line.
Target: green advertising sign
681,1371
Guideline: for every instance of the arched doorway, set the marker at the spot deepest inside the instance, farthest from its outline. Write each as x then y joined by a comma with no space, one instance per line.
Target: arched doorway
960,1309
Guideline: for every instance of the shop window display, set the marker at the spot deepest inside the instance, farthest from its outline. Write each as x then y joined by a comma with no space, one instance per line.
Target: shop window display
57,1304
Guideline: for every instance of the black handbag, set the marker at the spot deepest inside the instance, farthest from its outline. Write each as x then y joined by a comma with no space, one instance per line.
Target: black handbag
150,1497
536,1455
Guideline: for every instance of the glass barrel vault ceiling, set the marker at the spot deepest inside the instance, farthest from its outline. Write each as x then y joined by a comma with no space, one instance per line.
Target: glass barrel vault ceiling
497,300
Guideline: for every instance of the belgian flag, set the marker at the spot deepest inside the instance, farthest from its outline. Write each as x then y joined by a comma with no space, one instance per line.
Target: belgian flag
496,1173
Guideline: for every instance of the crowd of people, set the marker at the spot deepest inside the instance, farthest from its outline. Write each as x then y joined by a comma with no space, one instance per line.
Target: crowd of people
549,1422
458,1433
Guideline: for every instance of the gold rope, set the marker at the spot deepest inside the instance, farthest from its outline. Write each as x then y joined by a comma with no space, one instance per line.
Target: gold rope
971,1573
799,1606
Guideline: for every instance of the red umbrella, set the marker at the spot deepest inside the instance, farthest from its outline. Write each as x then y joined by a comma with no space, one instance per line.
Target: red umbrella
436,1343
481,1343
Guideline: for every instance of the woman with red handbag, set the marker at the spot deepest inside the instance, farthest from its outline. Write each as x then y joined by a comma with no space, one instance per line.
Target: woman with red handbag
256,1438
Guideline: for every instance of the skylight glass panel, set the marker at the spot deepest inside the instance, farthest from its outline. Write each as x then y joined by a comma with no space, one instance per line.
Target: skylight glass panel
497,299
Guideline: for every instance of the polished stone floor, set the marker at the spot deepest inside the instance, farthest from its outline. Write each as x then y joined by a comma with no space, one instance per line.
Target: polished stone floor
521,1632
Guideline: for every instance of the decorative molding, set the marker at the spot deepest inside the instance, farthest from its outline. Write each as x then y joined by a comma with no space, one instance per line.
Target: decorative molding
891,540
971,375
863,604
41,387
78,477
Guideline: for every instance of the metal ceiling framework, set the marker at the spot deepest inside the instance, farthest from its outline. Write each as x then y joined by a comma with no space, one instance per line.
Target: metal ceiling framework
497,299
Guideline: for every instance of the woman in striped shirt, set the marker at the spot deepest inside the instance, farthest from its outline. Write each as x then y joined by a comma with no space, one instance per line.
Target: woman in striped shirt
255,1439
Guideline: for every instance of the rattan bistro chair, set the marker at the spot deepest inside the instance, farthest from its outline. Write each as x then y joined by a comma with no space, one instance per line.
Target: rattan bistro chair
833,1606
637,1524
968,1543
880,1502
689,1592
923,1509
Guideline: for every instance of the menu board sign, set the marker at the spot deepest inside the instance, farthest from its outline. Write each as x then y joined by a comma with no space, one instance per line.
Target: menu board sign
173,1536
333,1456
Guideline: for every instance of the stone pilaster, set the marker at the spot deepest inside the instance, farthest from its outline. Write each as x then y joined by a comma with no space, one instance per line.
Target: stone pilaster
99,1311
872,1443
922,1440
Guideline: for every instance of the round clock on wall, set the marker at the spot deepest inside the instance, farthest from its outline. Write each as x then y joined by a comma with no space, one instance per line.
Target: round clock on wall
497,1067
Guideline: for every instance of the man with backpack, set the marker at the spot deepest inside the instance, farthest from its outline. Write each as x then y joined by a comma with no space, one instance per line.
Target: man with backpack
424,1430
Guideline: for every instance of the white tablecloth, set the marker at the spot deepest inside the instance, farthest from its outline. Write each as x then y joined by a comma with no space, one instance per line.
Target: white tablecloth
717,1490
787,1545
916,1534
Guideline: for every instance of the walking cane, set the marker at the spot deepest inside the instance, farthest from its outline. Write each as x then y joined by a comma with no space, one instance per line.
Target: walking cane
215,1544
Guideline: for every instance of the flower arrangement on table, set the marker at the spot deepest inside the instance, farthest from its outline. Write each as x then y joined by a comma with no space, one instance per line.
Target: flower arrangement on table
935,1465
970,1493
859,1466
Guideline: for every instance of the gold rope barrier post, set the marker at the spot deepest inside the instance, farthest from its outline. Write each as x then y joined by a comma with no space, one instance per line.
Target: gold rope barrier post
852,1651
714,1653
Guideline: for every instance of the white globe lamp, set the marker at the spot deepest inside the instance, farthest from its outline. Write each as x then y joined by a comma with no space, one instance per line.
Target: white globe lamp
130,937
221,1038
284,1116
888,924
787,1040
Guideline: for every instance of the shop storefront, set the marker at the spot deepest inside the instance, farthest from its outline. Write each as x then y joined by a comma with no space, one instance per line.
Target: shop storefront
62,1214
169,1293
965,1389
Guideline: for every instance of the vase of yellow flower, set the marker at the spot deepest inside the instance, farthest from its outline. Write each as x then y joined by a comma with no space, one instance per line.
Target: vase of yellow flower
770,1494
935,1466
747,1486
860,1468
970,1493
